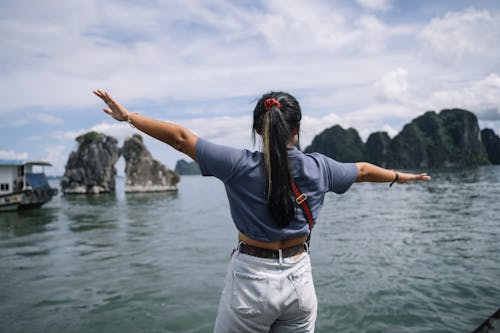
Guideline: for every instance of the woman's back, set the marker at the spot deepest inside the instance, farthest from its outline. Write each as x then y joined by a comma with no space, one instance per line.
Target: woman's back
245,180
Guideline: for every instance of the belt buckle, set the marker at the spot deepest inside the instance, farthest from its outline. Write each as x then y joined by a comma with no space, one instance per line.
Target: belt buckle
301,198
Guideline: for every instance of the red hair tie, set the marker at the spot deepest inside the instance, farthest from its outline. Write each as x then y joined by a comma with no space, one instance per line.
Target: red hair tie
268,103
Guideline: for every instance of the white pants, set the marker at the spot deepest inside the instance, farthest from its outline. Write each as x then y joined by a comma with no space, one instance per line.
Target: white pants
267,295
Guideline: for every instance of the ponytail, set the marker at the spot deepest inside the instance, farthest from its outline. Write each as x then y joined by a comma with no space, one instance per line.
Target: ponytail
276,117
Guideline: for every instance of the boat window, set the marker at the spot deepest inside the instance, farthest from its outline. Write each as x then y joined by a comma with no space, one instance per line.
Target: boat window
4,187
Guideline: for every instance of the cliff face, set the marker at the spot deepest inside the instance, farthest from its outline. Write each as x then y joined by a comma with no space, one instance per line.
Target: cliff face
143,173
341,144
183,167
91,168
448,139
491,143
378,149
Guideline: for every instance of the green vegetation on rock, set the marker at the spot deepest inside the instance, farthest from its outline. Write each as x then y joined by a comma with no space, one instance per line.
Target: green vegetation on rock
491,143
448,139
344,145
91,137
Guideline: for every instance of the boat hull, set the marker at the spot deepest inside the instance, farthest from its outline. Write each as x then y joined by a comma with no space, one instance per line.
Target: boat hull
10,202
36,197
26,199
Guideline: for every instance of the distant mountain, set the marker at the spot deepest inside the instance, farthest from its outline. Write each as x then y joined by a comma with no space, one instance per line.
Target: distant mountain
184,167
449,139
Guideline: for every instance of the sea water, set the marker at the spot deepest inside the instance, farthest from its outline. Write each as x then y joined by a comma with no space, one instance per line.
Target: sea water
420,257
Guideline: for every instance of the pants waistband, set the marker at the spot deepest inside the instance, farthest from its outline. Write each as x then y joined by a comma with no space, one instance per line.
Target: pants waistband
272,254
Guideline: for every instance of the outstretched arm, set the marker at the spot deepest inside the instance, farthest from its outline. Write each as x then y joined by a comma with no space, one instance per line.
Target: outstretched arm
174,135
371,173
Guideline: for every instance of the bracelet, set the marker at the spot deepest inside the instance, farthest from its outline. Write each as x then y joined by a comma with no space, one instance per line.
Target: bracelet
395,179
129,119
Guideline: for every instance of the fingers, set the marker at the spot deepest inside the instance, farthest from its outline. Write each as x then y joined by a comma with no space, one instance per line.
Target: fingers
104,96
408,177
111,99
99,93
422,176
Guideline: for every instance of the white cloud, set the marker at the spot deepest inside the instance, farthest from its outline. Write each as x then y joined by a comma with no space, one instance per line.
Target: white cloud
44,118
232,131
119,130
375,4
477,95
312,126
180,50
12,155
469,36
391,131
66,135
57,156
393,86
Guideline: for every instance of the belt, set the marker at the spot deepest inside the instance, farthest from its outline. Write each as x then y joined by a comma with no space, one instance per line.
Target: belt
272,254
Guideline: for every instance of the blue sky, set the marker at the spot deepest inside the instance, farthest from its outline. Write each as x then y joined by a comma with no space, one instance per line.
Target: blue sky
369,64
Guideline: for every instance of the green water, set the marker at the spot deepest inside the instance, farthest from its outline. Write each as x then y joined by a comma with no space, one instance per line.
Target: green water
413,258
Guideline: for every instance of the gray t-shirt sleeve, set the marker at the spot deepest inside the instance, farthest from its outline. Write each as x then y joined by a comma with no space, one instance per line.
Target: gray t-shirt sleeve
218,160
340,175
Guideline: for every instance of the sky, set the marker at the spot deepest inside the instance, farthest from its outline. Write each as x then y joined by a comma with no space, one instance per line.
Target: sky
369,64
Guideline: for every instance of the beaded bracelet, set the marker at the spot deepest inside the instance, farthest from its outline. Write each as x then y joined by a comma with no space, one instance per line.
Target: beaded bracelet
129,119
395,179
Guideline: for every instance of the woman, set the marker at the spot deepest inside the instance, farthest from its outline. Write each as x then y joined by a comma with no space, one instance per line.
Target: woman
269,286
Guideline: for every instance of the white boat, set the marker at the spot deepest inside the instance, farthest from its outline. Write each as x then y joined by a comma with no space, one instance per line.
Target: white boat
21,187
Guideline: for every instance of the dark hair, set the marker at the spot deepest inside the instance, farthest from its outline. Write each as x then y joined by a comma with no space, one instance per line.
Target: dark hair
277,128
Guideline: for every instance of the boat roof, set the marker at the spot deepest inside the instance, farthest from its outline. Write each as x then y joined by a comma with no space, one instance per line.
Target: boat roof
19,163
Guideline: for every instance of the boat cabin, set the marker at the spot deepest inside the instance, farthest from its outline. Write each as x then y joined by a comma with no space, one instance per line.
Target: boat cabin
23,184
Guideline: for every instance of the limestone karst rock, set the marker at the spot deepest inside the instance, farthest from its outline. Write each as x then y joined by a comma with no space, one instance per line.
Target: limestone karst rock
345,145
491,143
91,169
143,173
378,149
183,167
450,138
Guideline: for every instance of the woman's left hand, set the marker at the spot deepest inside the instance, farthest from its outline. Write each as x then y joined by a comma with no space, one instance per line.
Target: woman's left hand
406,177
115,109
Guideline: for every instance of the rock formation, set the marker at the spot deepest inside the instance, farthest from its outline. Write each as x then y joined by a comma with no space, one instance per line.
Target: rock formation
491,143
345,145
378,149
143,173
183,167
91,169
448,139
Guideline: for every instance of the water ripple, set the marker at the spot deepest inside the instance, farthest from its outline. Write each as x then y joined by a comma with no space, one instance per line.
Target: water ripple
417,258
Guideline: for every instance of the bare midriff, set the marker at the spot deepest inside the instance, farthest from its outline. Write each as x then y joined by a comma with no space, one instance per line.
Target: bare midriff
276,245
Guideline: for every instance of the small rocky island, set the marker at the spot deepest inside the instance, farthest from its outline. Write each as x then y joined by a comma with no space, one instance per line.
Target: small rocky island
183,167
143,173
91,168
450,138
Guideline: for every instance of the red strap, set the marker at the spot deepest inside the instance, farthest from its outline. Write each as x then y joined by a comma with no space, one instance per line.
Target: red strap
301,198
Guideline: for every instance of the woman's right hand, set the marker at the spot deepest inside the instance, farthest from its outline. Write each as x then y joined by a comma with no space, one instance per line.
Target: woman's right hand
115,109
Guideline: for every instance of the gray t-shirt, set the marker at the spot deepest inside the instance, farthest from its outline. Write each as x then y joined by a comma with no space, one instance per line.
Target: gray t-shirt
244,177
